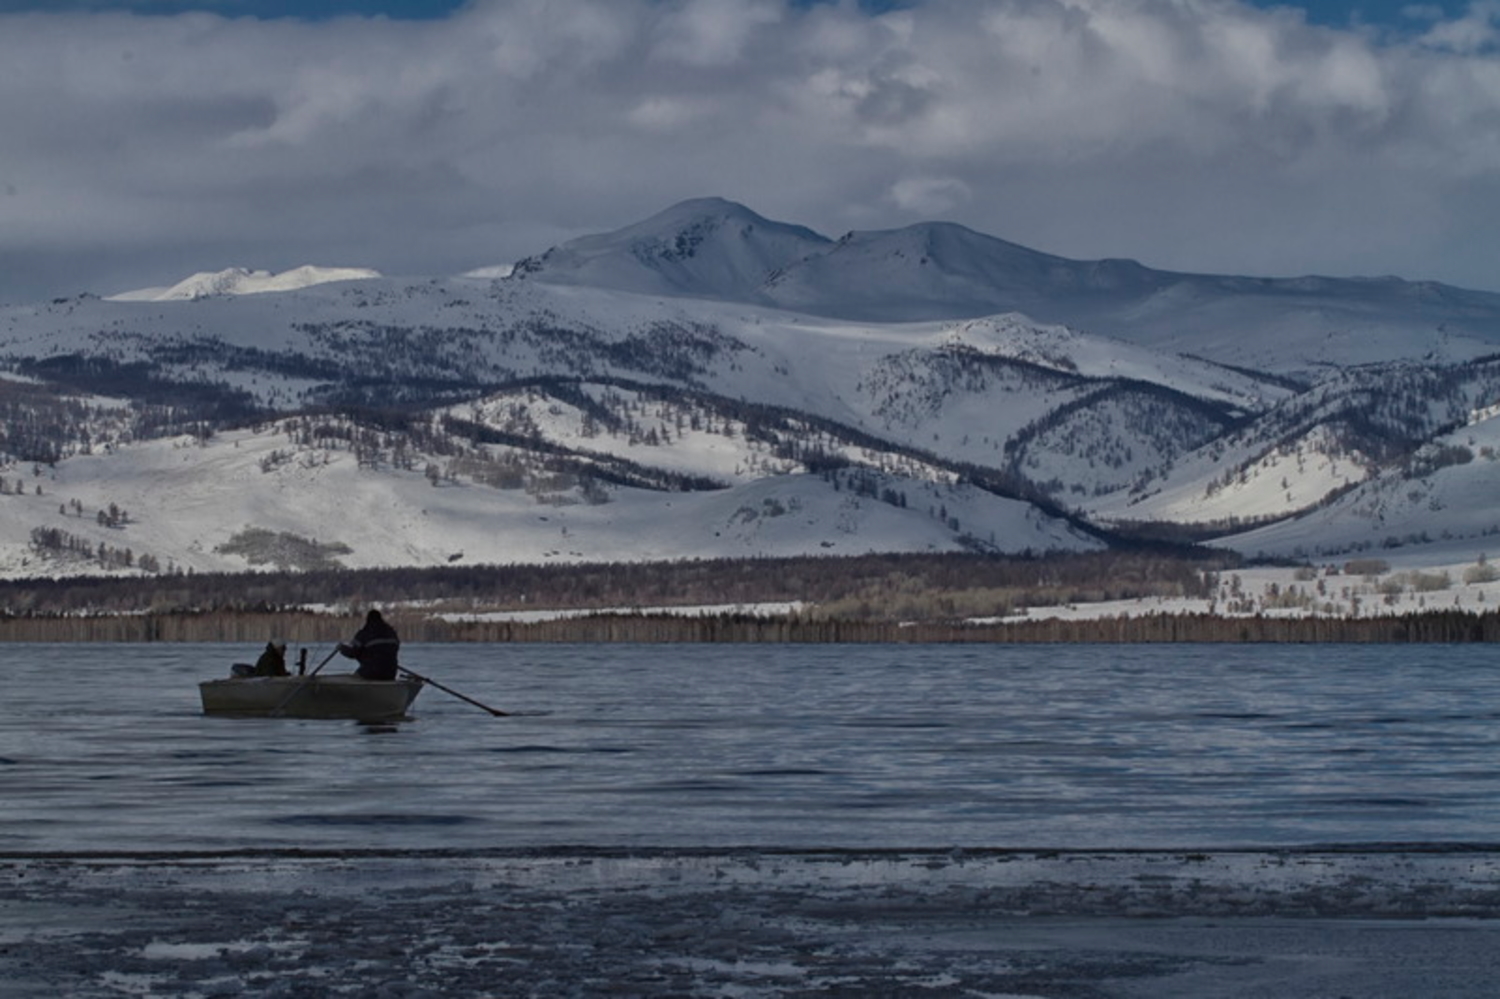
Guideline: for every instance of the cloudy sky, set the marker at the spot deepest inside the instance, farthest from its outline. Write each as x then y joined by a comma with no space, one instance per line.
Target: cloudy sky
147,139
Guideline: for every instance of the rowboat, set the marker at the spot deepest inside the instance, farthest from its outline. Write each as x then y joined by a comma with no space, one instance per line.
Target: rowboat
338,696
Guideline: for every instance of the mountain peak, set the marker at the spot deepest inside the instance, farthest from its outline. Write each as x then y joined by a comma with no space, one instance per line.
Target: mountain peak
703,247
695,208
712,247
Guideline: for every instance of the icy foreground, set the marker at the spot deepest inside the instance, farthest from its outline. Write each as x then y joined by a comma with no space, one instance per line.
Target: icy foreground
1378,922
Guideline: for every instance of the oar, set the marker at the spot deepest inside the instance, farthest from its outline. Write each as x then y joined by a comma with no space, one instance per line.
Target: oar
276,711
449,690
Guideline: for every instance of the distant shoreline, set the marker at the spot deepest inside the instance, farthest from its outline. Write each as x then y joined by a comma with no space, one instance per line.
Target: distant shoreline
1445,626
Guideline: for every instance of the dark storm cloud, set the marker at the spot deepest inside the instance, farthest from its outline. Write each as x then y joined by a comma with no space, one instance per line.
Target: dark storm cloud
1204,134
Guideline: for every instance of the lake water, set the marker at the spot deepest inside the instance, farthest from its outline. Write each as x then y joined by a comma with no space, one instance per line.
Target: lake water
105,748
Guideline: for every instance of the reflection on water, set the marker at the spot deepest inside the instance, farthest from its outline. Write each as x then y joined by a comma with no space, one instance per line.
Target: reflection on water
106,748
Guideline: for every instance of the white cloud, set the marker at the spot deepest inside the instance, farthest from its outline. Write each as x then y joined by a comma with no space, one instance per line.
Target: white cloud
1195,134
929,196
1476,31
668,113
712,32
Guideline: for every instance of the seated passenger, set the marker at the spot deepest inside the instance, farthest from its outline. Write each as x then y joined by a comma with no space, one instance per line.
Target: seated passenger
272,662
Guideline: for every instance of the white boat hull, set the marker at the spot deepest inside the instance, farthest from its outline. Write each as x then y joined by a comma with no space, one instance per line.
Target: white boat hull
342,696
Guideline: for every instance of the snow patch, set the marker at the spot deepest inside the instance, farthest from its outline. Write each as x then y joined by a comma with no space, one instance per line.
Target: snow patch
242,281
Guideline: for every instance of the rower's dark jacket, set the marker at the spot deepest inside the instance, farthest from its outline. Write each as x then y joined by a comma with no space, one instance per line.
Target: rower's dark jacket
376,647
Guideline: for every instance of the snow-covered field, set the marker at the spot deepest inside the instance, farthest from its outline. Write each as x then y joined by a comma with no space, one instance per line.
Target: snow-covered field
256,478
1380,924
1400,583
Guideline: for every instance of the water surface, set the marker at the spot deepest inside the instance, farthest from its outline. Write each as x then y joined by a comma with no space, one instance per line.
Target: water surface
104,747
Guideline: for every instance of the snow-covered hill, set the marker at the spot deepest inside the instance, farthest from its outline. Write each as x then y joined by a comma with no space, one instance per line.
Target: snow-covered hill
1445,492
709,382
707,248
270,498
242,281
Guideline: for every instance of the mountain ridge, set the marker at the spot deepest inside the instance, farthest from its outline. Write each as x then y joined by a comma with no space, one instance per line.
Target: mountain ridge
652,393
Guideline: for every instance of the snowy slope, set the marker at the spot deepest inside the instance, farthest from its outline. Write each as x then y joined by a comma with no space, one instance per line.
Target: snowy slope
183,500
1310,447
500,331
1245,483
1446,493
942,270
241,281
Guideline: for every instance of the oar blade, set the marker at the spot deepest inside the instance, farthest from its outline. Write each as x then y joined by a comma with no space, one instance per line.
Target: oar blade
494,712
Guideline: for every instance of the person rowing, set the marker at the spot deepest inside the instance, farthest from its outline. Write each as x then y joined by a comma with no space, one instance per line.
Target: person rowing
376,647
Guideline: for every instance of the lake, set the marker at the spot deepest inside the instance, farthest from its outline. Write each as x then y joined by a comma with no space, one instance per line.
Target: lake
105,748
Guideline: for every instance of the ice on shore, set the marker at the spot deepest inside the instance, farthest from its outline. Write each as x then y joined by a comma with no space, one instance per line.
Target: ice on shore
584,922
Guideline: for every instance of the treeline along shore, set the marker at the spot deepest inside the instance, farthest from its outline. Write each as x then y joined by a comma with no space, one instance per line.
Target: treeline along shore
323,630
871,598
908,587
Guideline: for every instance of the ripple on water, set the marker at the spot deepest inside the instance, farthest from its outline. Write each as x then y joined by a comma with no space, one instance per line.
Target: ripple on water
627,746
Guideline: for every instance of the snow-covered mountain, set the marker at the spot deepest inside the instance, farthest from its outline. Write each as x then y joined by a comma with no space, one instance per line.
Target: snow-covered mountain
707,247
1299,326
242,281
711,383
